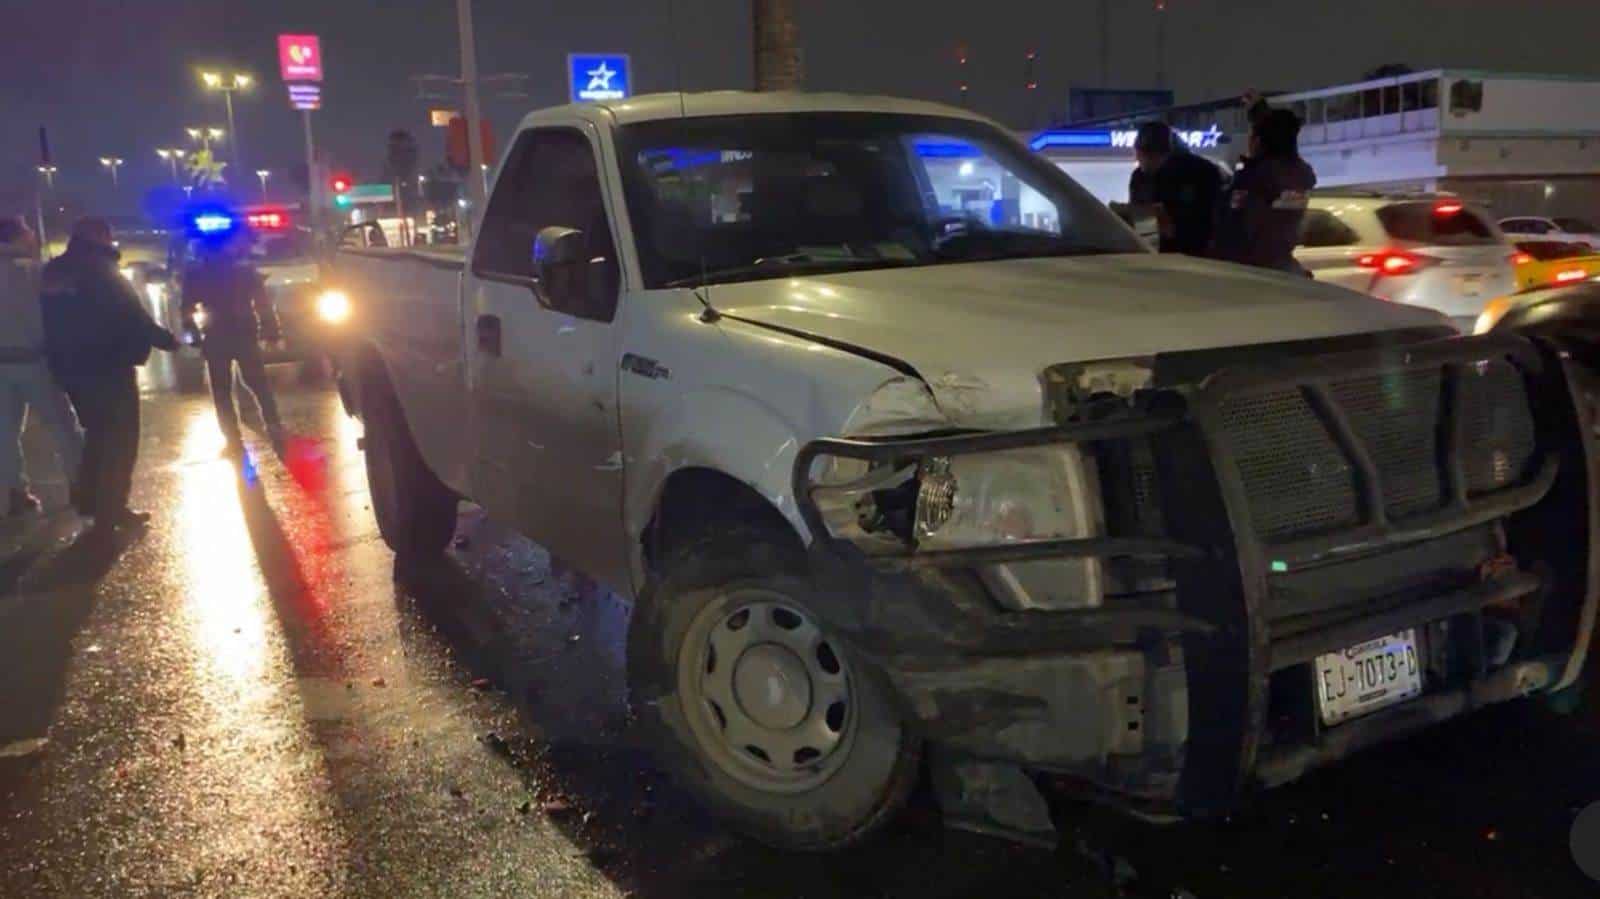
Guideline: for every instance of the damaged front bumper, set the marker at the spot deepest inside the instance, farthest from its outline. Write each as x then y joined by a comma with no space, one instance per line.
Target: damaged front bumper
1179,702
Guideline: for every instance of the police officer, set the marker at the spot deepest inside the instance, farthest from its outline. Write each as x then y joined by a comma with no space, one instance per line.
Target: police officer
236,311
1259,222
96,332
1181,186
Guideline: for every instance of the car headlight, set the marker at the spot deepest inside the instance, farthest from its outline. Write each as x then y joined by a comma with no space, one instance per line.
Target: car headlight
976,500
333,306
1491,315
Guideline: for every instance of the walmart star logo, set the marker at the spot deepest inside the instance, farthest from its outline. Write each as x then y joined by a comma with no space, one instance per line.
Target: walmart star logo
600,78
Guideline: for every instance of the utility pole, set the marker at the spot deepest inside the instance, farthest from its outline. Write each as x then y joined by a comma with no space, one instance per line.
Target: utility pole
1105,43
47,176
313,179
777,46
1161,43
476,188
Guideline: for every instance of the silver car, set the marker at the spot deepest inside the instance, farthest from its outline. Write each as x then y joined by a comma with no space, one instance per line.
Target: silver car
1434,251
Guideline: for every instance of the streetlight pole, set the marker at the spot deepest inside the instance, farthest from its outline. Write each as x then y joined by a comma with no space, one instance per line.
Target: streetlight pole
113,163
47,179
228,84
263,174
172,157
474,122
205,135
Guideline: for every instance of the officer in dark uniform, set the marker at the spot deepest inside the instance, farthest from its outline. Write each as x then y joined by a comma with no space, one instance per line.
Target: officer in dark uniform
96,332
1259,222
1181,186
236,308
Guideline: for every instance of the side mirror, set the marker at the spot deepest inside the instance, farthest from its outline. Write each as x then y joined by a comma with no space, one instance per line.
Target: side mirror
559,269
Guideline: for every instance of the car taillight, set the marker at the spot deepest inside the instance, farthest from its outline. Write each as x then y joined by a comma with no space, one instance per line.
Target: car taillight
1520,258
1447,207
267,221
1570,275
1392,262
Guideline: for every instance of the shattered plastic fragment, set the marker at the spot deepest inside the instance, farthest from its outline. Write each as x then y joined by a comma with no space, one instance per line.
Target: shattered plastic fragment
20,748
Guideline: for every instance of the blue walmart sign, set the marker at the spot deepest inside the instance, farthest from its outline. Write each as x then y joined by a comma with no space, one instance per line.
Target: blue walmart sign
599,76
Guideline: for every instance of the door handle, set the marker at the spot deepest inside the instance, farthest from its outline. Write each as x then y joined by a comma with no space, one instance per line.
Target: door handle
489,334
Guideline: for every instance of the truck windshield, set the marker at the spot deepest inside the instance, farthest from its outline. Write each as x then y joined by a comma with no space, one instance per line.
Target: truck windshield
744,198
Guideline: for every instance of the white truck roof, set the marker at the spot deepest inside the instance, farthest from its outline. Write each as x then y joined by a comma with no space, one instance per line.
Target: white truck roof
656,107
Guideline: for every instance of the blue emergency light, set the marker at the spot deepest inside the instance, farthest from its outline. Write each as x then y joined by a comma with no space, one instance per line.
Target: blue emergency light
213,223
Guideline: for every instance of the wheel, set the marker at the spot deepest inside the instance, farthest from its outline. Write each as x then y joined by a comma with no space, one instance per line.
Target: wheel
762,714
416,513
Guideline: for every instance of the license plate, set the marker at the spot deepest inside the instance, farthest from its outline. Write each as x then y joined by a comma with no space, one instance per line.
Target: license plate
1471,285
1368,676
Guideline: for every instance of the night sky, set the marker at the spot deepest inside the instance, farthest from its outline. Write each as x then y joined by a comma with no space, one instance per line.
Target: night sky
118,78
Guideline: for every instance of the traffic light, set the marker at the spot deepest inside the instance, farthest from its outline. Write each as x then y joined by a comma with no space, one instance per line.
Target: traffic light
340,185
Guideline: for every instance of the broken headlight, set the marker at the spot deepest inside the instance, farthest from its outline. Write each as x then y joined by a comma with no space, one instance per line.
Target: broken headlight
976,500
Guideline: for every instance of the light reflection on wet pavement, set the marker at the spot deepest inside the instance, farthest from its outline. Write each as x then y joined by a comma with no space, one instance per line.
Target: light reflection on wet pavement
249,700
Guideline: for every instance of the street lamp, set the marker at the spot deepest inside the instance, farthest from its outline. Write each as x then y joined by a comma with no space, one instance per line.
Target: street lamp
263,174
227,84
172,157
204,135
113,163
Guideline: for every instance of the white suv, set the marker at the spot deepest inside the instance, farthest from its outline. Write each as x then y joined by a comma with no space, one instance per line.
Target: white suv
1566,230
1432,251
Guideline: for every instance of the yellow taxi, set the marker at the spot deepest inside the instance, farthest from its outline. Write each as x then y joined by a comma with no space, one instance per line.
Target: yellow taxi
1550,263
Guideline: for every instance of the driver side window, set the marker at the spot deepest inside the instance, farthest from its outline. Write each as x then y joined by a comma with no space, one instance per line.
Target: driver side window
550,180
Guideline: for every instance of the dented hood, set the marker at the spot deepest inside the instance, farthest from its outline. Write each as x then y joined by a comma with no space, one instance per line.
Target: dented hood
980,333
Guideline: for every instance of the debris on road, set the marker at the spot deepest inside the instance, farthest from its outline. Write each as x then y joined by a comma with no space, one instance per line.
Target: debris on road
179,742
556,808
379,682
19,748
497,744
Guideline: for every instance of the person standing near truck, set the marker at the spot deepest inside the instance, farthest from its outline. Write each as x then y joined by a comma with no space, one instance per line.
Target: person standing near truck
96,332
1181,186
1259,220
237,310
25,382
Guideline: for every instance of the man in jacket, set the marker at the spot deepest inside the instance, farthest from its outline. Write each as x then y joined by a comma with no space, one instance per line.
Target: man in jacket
1182,186
96,333
1259,223
25,383
237,309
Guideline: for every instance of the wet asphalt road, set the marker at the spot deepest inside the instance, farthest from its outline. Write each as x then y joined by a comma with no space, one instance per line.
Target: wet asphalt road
249,700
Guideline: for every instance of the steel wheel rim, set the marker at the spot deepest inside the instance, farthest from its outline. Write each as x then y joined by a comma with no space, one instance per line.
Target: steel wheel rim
768,695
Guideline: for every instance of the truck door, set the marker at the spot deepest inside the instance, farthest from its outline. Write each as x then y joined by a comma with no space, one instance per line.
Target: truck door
544,367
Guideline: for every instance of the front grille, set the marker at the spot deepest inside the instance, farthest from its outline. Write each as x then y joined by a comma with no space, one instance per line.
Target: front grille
1397,417
1300,483
1296,479
1497,426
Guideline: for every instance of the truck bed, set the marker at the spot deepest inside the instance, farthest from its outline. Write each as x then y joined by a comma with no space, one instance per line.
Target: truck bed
408,306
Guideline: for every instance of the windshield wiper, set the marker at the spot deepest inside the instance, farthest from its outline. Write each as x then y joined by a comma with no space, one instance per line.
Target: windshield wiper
797,263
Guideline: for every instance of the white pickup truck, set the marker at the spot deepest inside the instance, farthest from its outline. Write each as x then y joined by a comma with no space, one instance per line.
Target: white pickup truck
905,448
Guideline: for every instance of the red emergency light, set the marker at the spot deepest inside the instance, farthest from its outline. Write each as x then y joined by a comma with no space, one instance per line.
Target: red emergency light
269,220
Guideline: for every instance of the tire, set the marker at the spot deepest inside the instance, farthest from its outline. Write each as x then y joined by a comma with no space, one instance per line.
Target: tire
823,798
416,513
